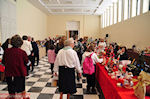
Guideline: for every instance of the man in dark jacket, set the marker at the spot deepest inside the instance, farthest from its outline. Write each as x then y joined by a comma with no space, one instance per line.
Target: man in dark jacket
35,53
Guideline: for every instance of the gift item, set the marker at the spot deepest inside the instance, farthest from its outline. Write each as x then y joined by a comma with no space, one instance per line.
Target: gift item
125,62
119,84
126,83
124,69
140,88
120,67
121,80
115,69
113,77
131,83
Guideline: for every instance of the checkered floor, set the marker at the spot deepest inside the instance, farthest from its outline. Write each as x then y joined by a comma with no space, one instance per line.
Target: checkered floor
39,85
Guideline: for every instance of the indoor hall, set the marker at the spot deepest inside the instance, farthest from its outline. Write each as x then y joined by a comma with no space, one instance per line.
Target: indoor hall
112,27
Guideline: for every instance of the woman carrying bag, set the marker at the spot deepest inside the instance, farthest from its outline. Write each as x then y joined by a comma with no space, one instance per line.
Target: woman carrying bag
89,60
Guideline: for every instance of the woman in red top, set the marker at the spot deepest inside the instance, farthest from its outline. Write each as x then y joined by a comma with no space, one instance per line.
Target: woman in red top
15,60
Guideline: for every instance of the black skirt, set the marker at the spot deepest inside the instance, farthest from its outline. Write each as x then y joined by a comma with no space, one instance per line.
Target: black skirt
66,81
15,84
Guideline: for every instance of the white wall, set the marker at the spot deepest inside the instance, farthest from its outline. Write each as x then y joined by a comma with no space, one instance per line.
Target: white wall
7,19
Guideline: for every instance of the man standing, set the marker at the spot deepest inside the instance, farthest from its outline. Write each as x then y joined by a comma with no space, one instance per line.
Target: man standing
35,52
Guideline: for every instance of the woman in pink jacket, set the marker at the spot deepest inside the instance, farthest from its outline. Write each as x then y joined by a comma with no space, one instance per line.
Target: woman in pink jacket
51,56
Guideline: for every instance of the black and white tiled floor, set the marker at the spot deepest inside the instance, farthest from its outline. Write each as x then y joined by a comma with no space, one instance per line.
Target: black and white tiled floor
39,85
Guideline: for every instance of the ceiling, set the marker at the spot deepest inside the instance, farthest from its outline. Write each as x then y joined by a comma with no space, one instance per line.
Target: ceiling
73,7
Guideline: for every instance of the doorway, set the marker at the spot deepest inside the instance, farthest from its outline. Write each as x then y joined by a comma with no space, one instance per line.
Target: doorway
73,34
73,28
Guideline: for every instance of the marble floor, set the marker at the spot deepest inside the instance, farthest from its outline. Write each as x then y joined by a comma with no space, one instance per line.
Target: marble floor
39,85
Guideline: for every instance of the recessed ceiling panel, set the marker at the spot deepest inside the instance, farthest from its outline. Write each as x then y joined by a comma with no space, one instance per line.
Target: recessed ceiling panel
56,10
70,6
73,10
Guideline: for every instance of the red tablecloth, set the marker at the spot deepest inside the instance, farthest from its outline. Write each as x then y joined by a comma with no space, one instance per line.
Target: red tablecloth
109,87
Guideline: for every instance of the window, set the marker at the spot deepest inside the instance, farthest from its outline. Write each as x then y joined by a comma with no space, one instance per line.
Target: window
119,10
126,3
108,18
138,7
102,20
111,14
123,10
129,8
105,19
134,5
149,5
145,5
115,13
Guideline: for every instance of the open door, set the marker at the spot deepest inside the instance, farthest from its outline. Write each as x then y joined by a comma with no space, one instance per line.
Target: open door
73,34
72,28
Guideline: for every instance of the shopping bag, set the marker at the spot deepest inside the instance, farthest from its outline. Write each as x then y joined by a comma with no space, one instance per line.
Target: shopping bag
54,81
2,68
140,88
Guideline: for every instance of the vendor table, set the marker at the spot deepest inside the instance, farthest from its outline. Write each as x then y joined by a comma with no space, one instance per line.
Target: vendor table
109,86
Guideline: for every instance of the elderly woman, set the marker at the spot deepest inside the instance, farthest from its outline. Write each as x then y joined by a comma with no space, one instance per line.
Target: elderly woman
66,62
15,59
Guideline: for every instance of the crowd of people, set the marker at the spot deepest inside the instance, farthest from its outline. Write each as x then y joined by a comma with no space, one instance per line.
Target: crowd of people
66,56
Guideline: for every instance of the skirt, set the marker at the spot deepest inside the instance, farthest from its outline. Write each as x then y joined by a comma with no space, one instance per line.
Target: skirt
66,80
15,84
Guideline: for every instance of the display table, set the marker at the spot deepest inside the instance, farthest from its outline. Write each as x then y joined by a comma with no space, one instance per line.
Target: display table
109,87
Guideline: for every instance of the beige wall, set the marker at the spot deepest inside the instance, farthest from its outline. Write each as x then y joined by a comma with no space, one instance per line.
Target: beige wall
88,25
31,21
132,31
92,26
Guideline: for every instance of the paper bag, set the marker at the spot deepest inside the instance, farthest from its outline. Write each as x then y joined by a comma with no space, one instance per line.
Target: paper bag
140,88
54,81
140,91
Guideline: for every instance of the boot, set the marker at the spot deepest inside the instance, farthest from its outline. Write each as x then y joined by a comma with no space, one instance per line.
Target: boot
88,90
93,90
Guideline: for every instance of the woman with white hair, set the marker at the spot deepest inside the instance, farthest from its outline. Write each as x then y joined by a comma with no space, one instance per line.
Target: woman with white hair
65,64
